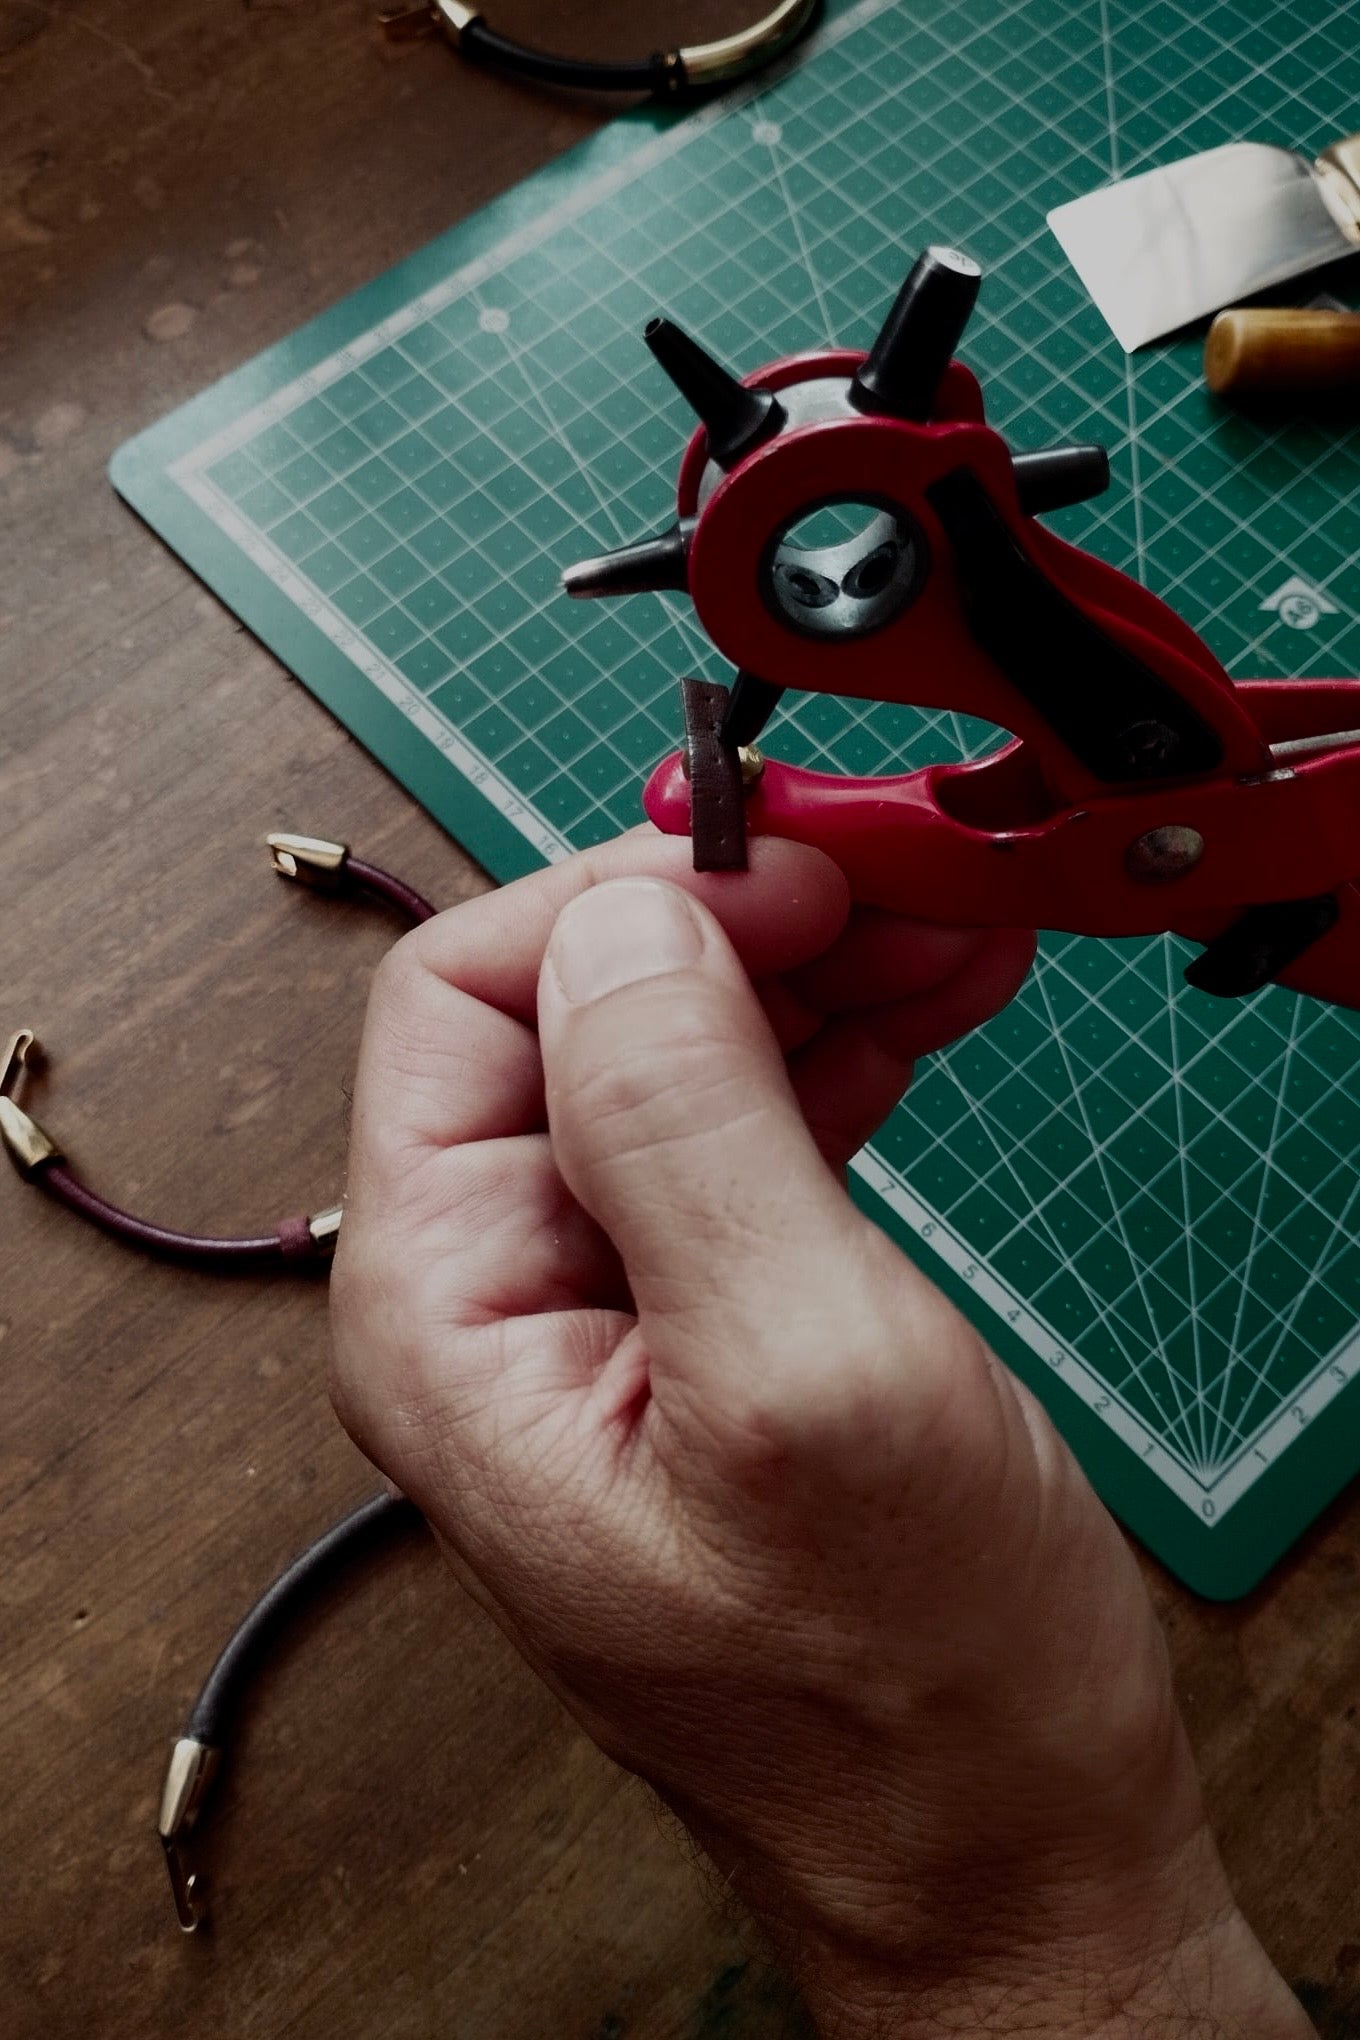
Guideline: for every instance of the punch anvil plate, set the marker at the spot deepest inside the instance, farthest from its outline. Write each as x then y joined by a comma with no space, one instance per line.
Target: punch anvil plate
1142,790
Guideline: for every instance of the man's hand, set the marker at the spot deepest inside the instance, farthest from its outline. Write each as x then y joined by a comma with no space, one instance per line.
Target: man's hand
747,1491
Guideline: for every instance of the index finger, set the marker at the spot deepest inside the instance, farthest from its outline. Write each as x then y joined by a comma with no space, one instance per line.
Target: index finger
450,1054
788,906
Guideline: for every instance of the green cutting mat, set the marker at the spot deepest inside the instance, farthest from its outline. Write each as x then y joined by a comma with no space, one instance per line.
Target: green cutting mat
1147,1199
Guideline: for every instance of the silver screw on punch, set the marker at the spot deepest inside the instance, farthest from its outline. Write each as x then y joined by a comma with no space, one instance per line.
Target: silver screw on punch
1164,853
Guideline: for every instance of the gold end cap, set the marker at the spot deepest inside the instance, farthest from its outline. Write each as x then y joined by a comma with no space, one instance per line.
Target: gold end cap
454,18
324,1227
308,860
187,1778
24,1141
731,56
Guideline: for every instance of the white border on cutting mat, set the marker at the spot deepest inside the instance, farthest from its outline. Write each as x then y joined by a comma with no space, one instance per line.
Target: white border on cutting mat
1209,1501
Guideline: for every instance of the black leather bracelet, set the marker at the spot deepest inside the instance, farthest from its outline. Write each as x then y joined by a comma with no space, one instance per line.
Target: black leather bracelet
198,1753
692,68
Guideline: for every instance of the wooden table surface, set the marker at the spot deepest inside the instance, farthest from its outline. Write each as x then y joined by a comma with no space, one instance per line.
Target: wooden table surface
413,1840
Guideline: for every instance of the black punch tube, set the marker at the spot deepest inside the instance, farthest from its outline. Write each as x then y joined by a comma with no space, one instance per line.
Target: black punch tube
1052,477
753,701
735,418
644,568
919,336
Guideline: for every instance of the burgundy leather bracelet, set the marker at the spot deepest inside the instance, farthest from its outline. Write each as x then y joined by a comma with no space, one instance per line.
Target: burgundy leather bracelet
291,1242
332,867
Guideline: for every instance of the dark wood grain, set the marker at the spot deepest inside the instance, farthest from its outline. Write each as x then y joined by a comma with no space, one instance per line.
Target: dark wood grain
414,1840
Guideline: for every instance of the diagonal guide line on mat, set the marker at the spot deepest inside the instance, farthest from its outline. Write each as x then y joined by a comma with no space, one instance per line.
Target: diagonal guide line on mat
1130,399
773,142
1187,1226
1340,1224
679,617
1105,1312
1256,1217
1040,975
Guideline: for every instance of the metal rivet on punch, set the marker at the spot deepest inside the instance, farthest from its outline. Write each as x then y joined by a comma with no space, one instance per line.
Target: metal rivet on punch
1164,853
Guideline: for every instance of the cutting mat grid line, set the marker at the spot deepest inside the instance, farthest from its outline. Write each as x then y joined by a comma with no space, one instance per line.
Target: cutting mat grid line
1155,1193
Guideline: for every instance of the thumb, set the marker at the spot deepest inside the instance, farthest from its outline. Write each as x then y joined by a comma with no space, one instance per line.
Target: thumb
674,1123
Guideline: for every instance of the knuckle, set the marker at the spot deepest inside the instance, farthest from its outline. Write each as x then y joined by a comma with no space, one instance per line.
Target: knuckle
395,978
397,1005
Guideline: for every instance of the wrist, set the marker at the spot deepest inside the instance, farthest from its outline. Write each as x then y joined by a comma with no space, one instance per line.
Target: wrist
1186,1966
1224,1990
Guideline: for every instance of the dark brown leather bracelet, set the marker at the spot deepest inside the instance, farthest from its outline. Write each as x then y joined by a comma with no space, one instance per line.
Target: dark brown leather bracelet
291,1242
198,1752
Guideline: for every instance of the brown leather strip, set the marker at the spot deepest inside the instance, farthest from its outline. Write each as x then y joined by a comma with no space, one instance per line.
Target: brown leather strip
717,804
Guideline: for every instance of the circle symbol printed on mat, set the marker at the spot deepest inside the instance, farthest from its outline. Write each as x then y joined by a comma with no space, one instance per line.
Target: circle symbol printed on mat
494,319
767,131
1299,604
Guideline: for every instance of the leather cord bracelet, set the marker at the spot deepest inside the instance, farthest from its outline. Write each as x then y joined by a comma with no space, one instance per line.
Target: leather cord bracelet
692,68
197,1756
291,1242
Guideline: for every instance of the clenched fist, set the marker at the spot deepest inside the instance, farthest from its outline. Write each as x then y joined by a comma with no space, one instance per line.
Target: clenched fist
751,1496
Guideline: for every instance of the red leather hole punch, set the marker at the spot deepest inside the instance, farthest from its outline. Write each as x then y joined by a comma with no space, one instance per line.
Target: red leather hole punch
1142,790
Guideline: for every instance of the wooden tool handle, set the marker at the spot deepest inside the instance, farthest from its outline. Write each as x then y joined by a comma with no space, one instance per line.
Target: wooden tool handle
1265,352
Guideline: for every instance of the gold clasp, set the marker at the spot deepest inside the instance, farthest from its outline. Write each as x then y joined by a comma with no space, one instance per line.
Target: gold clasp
733,56
185,1887
324,1227
27,1146
24,1044
310,860
187,1778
